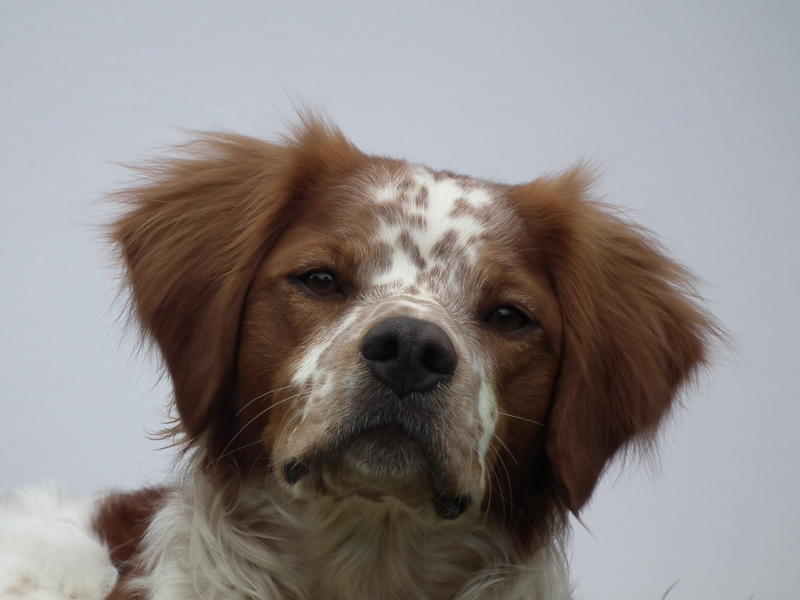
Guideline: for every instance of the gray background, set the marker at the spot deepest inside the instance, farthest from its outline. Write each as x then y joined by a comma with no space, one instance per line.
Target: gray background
690,109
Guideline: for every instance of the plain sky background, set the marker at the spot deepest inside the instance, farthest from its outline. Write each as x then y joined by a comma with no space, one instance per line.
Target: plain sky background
691,109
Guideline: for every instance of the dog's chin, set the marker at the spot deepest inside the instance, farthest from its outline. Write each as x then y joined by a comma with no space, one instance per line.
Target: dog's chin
381,463
384,461
384,453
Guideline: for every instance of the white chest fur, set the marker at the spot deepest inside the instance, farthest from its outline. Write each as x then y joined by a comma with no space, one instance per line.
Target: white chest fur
271,548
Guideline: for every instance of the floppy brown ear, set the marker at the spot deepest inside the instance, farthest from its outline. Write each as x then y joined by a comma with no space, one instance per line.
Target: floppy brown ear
633,332
193,236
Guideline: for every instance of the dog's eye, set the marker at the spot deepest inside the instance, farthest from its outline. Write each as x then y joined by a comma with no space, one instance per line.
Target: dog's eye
508,320
321,283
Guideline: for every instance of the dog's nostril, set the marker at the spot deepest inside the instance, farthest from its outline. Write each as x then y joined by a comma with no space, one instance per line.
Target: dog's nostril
381,347
439,358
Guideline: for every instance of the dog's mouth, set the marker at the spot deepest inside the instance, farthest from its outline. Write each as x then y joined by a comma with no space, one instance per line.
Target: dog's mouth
381,454
386,452
379,460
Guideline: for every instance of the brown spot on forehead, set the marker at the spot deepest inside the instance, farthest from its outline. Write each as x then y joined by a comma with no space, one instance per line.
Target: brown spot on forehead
433,277
390,212
462,208
397,213
381,254
421,198
442,175
445,246
416,221
410,247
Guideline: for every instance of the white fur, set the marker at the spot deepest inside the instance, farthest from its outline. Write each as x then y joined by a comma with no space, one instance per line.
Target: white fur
267,546
48,550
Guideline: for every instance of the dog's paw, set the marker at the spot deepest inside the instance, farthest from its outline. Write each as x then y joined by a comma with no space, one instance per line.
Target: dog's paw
48,550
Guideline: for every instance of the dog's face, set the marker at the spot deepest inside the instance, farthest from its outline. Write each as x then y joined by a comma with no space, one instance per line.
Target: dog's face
348,325
392,318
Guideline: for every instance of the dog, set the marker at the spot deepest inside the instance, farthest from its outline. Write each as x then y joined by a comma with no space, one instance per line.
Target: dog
390,381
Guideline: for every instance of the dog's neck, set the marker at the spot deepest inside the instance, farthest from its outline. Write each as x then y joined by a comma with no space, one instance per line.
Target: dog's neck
365,549
265,545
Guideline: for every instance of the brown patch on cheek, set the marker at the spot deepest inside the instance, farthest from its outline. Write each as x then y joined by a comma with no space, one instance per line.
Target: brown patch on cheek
261,403
524,389
279,322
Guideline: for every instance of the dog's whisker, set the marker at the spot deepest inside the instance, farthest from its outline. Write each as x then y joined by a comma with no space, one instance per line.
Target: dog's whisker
256,417
238,412
505,414
502,443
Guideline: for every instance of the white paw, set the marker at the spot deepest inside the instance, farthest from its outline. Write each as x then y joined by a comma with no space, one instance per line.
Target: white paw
48,550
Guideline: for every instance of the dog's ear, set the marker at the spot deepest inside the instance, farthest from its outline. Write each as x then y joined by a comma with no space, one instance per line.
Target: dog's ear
633,332
193,236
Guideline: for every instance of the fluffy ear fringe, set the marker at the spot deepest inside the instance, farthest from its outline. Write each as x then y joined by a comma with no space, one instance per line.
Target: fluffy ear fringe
635,331
192,235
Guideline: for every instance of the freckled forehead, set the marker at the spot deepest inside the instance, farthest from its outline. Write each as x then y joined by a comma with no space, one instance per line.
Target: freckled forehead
427,229
429,204
428,189
415,197
435,196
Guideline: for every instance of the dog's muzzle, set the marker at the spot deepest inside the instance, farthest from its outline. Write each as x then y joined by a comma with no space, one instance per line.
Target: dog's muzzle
396,423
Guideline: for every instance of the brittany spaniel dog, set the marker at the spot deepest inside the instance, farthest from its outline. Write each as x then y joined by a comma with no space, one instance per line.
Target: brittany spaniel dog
390,382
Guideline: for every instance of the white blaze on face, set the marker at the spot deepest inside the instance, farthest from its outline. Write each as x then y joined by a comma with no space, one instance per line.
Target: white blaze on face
487,413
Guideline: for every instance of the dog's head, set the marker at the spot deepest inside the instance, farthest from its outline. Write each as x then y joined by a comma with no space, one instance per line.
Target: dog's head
344,324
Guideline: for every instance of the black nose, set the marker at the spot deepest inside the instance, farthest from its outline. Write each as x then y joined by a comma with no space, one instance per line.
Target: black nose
409,355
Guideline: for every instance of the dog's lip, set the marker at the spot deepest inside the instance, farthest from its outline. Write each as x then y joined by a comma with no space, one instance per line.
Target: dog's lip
388,433
394,428
432,475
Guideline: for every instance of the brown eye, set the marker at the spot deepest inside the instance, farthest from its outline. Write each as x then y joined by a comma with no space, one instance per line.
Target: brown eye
321,283
508,320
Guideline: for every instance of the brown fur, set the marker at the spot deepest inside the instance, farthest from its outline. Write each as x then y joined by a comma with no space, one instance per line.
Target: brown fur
633,329
121,522
206,243
192,241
